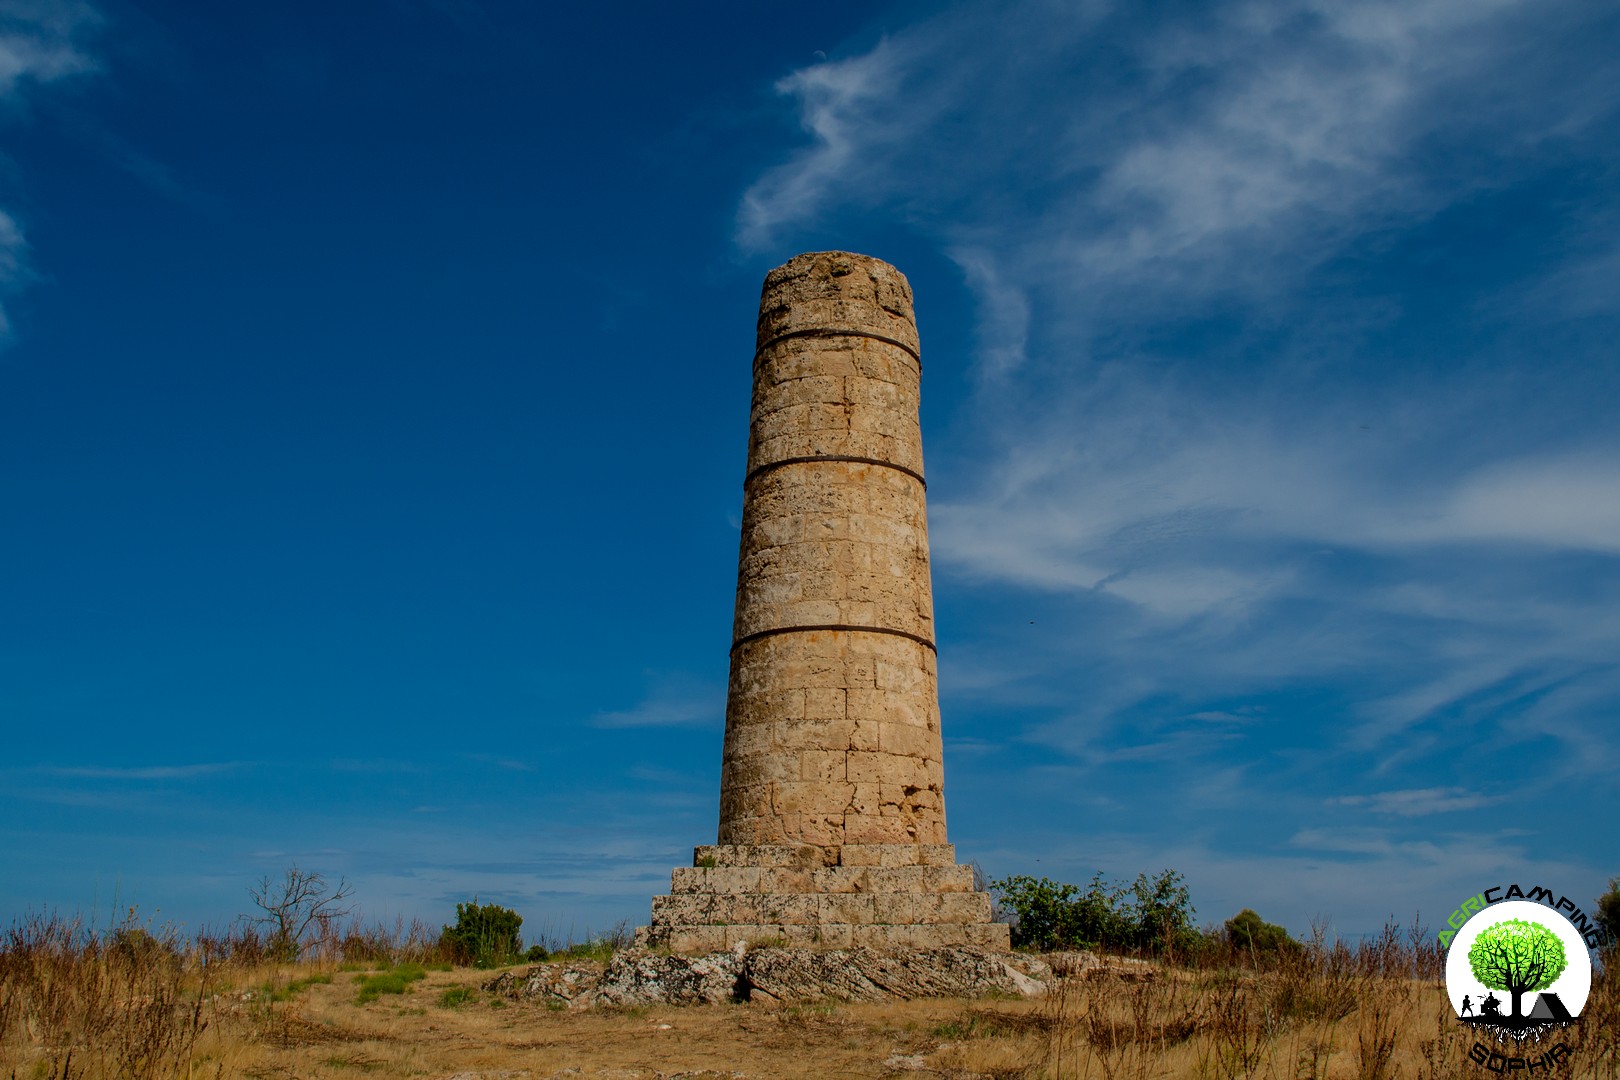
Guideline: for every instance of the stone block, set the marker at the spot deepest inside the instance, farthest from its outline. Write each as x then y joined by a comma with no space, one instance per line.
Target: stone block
835,936
825,703
822,766
910,740
838,879
896,879
869,767
944,879
787,880
996,936
760,770
716,879
885,827
693,939
803,856
856,908
790,909
685,909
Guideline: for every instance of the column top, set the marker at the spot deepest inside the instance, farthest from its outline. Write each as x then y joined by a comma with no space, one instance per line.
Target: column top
837,292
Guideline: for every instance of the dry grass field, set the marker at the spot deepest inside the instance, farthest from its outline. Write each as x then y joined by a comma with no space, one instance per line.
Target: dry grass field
131,1004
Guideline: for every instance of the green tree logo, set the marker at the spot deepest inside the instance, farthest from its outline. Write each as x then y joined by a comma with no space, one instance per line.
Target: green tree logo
1517,955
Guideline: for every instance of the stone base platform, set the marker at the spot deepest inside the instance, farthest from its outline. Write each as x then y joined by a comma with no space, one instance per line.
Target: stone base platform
884,896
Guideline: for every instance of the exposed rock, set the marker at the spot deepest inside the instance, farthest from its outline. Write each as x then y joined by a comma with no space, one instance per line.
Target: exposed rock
560,984
504,983
796,975
1085,965
637,977
641,978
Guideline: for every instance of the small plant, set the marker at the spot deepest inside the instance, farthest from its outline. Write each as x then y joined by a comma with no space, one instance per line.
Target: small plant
456,996
704,862
1608,911
485,935
768,941
297,986
394,981
536,954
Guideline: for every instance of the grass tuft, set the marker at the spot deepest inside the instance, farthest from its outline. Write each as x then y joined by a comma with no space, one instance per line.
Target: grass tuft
396,980
457,995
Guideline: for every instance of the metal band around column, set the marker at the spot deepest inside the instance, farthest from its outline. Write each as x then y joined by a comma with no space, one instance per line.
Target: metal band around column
769,465
833,331
757,634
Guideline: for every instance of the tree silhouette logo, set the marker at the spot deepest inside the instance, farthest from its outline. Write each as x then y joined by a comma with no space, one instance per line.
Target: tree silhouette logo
1518,971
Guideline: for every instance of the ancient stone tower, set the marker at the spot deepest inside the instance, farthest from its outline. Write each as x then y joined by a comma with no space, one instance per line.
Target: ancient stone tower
832,811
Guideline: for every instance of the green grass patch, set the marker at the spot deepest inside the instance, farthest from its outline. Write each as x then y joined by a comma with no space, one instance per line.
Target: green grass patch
394,980
364,1064
971,1026
457,995
292,989
598,949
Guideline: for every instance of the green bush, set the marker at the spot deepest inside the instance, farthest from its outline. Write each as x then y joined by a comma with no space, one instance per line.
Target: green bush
1248,933
1153,914
1608,911
484,935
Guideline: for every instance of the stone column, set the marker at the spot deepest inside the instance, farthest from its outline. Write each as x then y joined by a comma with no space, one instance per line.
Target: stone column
832,812
832,717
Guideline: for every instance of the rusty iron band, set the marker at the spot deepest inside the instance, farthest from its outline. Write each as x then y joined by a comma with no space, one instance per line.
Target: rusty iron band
757,634
833,331
769,465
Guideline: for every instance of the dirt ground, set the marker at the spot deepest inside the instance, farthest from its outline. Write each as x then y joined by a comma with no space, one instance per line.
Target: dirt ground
324,1033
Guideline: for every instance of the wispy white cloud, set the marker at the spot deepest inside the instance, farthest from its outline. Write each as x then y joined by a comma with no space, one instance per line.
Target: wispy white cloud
41,42
1253,417
1420,802
673,700
139,772
834,99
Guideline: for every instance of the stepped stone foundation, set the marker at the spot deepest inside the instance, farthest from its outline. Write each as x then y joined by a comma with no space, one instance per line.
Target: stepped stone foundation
832,810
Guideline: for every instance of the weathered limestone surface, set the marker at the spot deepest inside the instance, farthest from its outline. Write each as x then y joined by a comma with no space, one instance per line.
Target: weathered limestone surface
832,806
832,716
779,975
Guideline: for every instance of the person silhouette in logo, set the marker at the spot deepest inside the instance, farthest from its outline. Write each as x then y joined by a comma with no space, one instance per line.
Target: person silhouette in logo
1491,1006
1468,1006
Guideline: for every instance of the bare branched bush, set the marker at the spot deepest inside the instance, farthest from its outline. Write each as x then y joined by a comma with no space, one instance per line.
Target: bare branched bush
301,908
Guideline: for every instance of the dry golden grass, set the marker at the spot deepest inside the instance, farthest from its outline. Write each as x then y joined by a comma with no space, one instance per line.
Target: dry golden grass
77,1005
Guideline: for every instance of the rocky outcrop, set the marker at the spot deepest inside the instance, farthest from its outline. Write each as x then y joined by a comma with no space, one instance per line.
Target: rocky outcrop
791,975
644,978
638,977
554,984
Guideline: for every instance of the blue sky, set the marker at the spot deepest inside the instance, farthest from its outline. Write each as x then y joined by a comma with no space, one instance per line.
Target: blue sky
373,406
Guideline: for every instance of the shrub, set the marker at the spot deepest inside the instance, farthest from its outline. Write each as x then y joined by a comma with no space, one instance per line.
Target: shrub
1608,911
1153,914
1248,933
300,904
1161,915
484,935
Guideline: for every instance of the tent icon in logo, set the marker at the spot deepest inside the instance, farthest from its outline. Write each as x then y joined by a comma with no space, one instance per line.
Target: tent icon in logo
1549,1009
